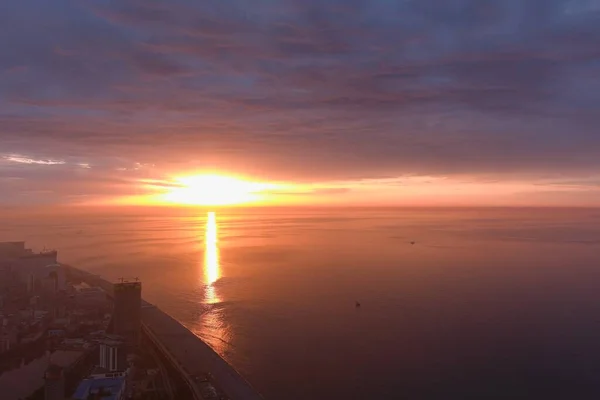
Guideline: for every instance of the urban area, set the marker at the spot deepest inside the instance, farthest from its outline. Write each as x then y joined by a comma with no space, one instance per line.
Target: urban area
69,334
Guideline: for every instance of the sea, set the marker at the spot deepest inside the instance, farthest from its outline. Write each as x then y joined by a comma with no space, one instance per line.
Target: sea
361,303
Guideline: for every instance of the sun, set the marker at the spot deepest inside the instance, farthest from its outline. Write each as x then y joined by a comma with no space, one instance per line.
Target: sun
214,190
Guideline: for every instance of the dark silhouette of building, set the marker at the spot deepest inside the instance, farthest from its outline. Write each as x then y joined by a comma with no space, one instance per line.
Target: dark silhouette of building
127,312
54,383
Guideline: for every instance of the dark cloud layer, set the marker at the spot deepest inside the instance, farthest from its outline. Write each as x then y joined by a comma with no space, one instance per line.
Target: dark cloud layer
304,89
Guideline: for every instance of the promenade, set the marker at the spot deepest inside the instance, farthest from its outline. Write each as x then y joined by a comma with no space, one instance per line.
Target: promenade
194,356
191,356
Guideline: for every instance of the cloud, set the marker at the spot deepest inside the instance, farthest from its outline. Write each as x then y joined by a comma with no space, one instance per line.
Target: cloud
305,90
25,160
300,191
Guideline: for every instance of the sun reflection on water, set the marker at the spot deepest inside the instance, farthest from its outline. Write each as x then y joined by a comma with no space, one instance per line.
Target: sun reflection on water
211,326
212,267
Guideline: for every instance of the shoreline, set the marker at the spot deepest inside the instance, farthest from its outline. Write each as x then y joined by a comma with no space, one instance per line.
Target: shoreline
187,352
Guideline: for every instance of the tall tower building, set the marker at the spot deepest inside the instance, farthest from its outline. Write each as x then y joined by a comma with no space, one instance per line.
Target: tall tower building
127,311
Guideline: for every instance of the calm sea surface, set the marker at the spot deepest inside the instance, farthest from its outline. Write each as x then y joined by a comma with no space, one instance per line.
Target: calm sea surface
488,303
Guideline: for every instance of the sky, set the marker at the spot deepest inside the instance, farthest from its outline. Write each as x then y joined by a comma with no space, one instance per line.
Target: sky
420,102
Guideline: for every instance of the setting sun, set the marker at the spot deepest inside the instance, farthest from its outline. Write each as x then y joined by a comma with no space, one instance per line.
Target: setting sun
214,190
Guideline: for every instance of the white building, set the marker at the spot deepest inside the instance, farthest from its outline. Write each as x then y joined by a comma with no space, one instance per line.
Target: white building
113,356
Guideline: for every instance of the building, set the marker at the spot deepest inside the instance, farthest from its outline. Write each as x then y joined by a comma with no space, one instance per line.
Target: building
86,296
5,342
8,339
113,355
101,388
40,272
54,383
11,249
8,332
127,312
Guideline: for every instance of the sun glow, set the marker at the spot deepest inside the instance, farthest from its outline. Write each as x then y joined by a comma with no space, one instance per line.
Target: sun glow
214,190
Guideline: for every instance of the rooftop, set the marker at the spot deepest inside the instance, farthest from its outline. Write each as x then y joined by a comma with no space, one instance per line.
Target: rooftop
14,250
41,254
11,249
101,388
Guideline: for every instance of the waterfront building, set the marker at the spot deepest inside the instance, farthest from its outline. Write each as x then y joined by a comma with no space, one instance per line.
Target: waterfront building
127,311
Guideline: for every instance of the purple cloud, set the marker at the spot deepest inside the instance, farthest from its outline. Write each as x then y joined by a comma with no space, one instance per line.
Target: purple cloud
300,90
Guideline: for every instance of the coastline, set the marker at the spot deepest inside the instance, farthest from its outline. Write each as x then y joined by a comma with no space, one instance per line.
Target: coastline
188,353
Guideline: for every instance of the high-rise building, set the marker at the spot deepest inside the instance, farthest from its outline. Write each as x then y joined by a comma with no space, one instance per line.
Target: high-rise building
127,311
38,271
